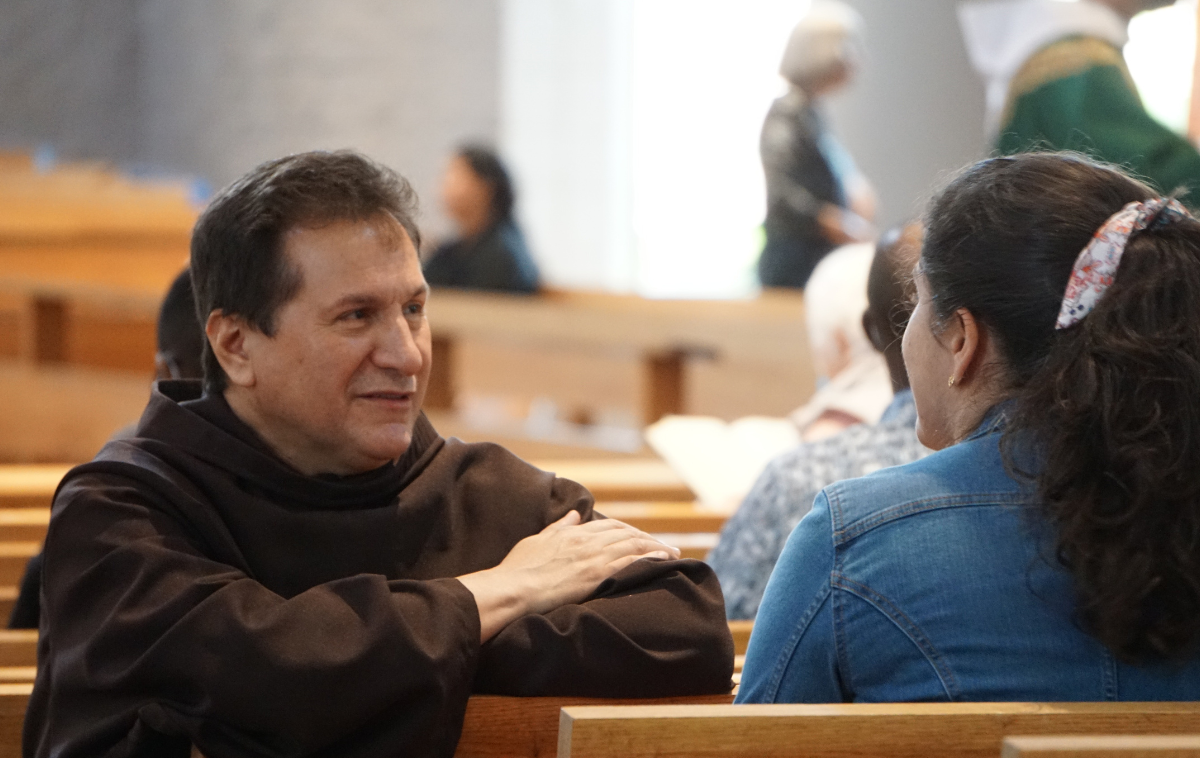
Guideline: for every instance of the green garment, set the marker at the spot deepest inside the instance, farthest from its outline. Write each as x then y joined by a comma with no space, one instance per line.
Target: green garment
1077,95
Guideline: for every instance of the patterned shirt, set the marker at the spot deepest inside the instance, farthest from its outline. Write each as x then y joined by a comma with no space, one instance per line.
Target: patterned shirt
754,537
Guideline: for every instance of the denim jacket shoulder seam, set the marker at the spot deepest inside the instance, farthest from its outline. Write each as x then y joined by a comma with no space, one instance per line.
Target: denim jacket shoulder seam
847,532
909,627
789,649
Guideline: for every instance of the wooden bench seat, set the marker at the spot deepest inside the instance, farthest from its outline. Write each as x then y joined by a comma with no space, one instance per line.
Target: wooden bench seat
30,486
1103,746
622,480
892,730
18,647
495,727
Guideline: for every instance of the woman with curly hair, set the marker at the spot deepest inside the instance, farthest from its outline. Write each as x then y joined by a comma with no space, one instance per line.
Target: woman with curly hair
1051,549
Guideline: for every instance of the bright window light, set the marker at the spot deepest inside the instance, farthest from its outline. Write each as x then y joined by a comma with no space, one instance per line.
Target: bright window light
704,73
1160,54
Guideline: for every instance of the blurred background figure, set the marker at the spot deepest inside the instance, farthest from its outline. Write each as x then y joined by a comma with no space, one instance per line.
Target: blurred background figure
852,376
490,252
752,540
1057,80
180,346
180,333
816,197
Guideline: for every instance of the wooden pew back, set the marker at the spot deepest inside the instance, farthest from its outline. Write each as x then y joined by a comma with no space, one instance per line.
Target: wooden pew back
1103,746
891,730
527,727
14,699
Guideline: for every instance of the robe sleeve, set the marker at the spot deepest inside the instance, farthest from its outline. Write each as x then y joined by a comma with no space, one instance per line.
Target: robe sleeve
655,629
145,639
1096,112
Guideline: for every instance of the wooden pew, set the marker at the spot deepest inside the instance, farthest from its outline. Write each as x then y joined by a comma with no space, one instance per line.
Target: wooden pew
79,324
86,223
18,647
13,557
514,727
14,699
30,486
495,727
1103,746
890,730
24,524
661,350
622,479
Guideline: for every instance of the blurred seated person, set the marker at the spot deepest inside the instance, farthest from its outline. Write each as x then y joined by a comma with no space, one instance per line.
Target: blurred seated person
490,252
288,559
1048,550
853,383
753,538
816,197
180,345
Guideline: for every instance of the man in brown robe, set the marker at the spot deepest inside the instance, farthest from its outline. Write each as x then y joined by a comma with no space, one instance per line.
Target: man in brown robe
293,562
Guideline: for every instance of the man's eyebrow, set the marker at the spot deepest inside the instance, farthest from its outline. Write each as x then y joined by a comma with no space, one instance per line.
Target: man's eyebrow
369,298
355,299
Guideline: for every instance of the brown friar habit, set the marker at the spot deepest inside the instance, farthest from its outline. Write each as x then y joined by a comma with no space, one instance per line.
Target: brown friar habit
198,590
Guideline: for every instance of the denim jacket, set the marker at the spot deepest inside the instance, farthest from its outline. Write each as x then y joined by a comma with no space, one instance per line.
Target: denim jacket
934,580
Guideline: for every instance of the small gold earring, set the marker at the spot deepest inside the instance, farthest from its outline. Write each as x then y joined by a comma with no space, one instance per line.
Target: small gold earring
950,383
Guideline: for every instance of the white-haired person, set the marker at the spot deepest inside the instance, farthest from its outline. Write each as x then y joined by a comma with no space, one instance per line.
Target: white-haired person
853,382
754,537
1049,550
816,197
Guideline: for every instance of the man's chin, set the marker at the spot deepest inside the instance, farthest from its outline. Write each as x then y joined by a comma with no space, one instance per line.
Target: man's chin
389,443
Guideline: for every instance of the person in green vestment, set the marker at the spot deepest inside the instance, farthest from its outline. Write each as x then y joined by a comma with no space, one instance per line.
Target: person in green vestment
1057,80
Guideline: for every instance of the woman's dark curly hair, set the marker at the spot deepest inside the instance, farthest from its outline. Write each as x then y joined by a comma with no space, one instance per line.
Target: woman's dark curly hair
1111,405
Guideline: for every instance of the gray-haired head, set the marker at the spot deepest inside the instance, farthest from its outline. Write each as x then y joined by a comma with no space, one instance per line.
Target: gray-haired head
826,46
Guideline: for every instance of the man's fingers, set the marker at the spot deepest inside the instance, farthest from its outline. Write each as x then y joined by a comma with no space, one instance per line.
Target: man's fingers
570,518
627,560
609,524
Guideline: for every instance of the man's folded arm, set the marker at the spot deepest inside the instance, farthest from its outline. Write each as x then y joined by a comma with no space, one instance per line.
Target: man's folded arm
655,629
208,652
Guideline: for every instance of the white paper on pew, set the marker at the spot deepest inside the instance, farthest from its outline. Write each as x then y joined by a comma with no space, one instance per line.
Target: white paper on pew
717,459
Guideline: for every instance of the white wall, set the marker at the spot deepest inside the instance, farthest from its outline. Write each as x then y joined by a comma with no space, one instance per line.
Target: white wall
916,114
565,130
212,87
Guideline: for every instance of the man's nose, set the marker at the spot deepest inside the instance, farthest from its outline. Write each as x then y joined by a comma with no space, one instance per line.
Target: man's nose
397,348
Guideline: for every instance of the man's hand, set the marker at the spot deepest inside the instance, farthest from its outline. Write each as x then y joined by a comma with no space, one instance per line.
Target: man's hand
562,564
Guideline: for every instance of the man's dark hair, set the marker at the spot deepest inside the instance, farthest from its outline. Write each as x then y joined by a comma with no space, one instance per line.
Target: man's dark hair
180,336
488,167
238,265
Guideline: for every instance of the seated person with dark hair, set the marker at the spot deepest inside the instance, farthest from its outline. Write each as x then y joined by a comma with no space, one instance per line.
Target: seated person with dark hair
754,537
180,344
1048,549
289,560
490,253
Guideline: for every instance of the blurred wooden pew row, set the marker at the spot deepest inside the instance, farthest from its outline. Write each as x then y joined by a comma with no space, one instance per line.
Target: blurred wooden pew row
891,730
89,224
547,338
1103,746
668,343
33,486
494,727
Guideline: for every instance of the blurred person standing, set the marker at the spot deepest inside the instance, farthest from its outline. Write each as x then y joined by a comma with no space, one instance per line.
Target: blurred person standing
816,197
490,252
1057,80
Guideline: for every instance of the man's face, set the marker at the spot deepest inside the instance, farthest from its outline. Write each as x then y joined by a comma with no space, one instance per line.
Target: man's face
340,384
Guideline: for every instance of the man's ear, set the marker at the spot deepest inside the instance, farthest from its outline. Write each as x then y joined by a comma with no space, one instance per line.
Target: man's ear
963,337
227,335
